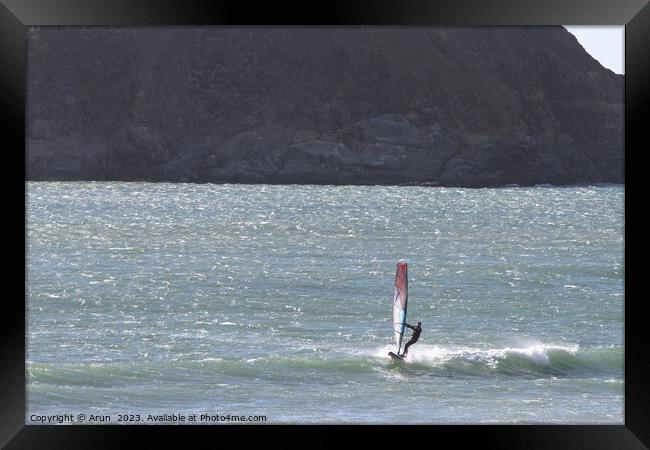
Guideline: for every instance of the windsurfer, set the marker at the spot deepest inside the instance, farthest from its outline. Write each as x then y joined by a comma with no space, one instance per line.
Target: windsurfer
417,329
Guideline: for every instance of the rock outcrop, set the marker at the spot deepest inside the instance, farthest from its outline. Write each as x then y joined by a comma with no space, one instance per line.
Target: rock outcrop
480,106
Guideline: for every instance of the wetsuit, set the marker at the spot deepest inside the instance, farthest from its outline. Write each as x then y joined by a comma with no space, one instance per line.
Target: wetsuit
414,338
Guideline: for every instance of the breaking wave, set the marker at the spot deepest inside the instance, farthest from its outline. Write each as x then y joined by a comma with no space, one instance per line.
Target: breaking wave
533,360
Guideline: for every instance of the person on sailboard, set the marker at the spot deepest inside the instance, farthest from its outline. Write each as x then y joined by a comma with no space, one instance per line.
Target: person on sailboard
417,329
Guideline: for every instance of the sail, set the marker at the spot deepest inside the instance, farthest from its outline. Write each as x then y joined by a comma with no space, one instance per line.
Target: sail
400,301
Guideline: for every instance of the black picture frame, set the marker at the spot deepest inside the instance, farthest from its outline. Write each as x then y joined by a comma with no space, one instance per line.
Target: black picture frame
16,15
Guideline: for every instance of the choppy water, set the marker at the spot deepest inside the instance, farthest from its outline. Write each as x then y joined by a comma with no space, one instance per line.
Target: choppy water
276,300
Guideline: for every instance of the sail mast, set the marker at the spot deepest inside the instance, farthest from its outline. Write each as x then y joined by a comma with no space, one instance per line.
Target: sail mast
400,302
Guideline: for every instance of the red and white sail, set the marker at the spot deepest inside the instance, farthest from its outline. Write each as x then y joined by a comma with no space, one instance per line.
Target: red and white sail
400,301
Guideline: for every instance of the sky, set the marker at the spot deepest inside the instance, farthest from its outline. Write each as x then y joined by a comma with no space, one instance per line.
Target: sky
605,43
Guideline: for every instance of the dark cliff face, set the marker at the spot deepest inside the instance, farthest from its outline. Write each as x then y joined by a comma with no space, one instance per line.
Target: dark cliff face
481,106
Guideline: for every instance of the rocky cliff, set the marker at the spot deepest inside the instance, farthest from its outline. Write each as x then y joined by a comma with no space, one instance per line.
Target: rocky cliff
480,106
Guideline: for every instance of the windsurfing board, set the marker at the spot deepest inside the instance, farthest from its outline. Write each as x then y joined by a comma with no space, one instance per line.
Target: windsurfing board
394,356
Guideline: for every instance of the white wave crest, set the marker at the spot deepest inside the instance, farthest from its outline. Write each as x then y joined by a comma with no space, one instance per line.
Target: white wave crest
436,355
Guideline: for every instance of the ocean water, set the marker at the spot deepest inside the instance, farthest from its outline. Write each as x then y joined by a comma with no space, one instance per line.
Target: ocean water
150,302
